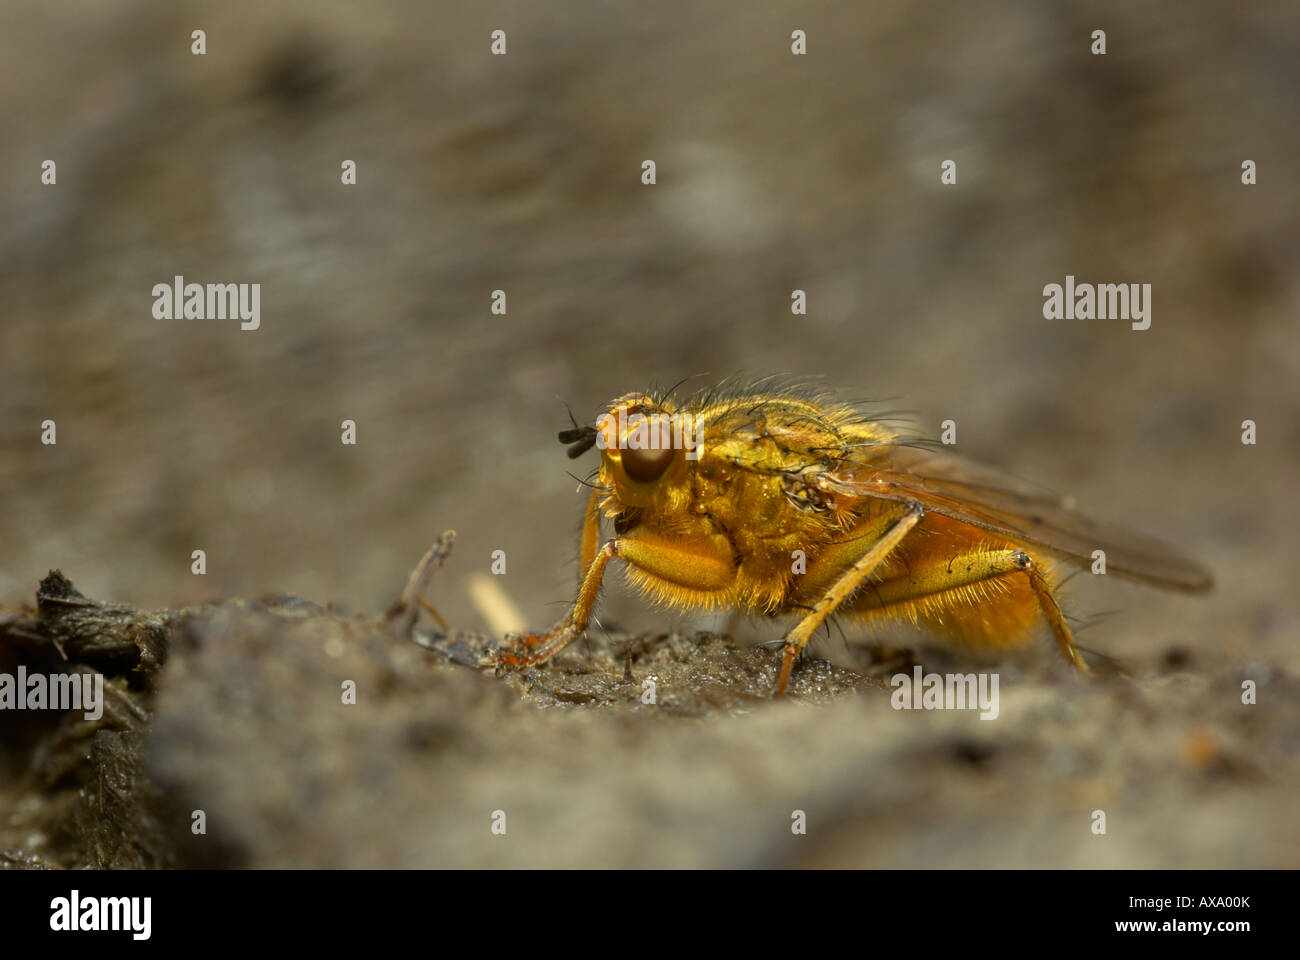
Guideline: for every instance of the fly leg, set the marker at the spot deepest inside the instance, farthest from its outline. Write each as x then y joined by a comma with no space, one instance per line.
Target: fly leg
1052,612
705,568
529,649
844,587
941,586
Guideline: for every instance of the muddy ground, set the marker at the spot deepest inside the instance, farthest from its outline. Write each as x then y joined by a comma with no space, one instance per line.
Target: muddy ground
522,173
655,751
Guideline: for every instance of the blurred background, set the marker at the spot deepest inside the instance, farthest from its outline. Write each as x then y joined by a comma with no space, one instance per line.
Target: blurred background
523,173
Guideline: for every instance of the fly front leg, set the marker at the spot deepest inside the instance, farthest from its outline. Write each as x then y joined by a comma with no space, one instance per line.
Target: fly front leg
524,651
876,550
700,568
529,649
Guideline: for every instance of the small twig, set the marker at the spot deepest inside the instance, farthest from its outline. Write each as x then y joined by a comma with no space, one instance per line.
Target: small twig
20,632
407,608
436,615
67,602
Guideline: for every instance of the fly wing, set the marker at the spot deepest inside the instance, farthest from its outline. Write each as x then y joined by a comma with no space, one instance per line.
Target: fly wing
984,497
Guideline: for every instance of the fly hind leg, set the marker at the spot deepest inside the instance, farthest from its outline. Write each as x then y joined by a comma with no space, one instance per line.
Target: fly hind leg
1047,603
955,593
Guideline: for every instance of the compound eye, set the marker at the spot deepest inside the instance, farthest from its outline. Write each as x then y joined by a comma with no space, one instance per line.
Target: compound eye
644,466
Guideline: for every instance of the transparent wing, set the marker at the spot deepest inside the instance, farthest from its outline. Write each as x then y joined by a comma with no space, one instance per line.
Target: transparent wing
984,497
